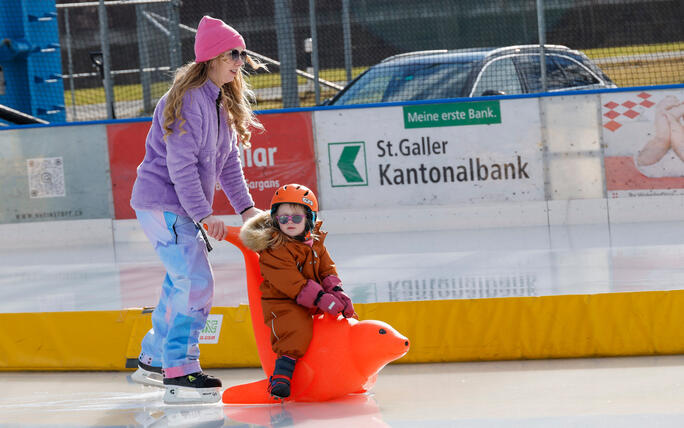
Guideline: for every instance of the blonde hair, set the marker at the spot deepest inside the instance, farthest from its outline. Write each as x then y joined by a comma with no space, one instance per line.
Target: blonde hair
235,99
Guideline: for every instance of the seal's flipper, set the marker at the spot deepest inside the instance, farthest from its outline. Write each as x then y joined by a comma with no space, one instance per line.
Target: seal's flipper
249,393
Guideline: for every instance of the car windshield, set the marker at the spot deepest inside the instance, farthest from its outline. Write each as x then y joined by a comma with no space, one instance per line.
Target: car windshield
408,82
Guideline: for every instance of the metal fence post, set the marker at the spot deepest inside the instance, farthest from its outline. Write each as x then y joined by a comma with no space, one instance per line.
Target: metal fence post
541,27
144,57
70,65
174,35
314,49
286,53
104,43
346,35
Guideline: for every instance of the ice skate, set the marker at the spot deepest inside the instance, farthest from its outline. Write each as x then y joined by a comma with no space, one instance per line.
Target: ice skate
193,388
148,375
279,383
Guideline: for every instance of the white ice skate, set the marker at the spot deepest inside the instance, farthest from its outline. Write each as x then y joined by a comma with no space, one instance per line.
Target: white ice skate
192,388
148,375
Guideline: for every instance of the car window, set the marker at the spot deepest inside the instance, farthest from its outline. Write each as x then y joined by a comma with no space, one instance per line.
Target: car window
368,89
528,65
499,76
408,82
429,82
574,74
561,73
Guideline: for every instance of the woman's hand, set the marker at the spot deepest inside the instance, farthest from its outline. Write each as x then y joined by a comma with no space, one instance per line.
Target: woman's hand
215,227
249,213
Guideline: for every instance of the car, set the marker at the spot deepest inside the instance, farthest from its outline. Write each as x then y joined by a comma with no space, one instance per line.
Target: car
437,74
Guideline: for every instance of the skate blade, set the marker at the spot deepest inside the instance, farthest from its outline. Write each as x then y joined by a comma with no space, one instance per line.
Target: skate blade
278,397
144,377
181,394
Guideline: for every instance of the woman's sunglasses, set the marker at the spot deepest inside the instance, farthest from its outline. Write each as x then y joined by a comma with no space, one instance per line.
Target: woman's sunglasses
284,219
235,55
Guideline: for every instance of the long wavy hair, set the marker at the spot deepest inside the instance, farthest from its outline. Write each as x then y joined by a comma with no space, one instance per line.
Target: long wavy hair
236,98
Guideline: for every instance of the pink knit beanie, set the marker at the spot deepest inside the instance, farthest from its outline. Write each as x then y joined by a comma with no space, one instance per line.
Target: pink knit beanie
215,37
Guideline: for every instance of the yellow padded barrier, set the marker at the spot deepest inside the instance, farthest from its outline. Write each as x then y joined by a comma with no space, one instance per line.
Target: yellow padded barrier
104,340
612,324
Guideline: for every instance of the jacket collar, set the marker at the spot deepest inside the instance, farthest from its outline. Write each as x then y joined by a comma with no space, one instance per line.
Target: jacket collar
210,90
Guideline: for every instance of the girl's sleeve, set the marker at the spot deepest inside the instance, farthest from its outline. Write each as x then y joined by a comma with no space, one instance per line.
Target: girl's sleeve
233,181
281,271
182,149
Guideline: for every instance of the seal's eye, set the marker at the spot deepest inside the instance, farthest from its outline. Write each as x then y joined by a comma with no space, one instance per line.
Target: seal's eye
382,331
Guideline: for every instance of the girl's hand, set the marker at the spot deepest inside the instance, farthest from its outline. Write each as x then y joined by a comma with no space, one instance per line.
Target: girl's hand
249,213
215,227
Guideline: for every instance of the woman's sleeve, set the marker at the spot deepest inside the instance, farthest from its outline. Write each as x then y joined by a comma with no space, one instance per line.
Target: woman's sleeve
233,181
182,149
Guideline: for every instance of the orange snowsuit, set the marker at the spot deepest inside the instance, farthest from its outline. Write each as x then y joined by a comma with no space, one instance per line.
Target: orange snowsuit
286,269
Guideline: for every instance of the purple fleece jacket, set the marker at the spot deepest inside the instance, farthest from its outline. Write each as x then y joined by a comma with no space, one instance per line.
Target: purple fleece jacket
179,175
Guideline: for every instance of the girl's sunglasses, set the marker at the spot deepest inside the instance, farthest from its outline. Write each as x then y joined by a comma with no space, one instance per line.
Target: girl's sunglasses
235,55
284,219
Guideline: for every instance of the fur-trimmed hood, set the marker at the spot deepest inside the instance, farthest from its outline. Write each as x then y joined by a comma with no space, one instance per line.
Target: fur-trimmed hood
257,231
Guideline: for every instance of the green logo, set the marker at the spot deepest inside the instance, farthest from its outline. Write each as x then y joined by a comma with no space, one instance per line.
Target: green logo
348,164
452,114
210,327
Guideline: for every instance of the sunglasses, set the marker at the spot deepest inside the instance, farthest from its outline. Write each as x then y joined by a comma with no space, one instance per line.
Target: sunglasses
235,55
284,219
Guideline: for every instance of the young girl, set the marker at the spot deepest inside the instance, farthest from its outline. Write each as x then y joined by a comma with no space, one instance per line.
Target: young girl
191,144
299,277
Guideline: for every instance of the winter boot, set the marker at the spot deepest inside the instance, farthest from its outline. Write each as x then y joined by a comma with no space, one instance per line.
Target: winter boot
148,375
279,383
193,388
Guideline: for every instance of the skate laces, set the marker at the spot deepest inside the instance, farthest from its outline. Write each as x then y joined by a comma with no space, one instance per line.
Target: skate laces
200,378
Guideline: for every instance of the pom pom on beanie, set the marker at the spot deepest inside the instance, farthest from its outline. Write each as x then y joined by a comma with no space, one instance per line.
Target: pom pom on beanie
215,37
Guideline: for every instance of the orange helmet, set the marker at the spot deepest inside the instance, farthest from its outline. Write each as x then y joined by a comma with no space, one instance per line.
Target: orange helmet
295,194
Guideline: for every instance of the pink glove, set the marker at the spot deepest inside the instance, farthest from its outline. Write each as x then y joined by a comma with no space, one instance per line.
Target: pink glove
312,294
332,284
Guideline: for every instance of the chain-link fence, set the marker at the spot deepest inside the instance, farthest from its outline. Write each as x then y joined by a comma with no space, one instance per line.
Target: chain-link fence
626,43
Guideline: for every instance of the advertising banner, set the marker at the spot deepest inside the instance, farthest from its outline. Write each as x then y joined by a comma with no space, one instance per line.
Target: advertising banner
55,173
430,154
126,142
283,153
643,134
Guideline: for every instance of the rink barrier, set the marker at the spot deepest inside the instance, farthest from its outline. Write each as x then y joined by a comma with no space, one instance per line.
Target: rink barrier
596,325
561,147
578,190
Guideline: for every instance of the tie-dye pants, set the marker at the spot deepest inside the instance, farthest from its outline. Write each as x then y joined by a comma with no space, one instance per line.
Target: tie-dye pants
186,295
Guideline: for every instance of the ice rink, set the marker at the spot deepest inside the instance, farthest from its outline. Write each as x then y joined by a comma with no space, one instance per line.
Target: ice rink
380,267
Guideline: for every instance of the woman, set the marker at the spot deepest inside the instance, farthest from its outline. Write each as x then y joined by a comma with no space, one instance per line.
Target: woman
191,144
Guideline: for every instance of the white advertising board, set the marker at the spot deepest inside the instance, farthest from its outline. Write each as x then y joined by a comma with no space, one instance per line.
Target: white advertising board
643,133
430,154
55,173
